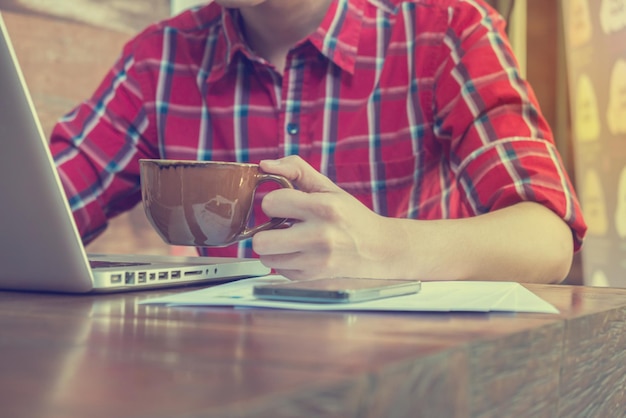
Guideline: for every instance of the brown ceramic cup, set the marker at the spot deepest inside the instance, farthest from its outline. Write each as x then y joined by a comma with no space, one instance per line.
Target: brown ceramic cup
203,203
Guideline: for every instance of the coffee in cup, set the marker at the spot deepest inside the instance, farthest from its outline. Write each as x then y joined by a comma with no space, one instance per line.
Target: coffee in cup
203,203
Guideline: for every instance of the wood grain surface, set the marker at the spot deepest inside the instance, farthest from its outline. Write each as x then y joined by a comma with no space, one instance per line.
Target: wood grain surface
106,355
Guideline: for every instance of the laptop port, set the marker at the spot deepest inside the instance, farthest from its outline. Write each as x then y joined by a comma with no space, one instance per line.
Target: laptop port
116,278
163,275
176,274
193,273
141,277
152,276
129,278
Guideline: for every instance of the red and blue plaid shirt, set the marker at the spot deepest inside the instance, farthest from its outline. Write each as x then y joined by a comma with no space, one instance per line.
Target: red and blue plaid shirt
417,108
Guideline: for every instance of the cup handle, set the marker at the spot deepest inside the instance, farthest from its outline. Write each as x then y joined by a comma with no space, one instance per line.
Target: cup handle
274,222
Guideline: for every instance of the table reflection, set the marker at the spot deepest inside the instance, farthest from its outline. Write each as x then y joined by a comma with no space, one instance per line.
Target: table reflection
111,350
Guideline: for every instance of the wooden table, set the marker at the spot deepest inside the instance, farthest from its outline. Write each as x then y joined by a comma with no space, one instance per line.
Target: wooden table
66,356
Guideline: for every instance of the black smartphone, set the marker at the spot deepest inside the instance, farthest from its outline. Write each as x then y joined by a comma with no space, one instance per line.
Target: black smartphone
336,290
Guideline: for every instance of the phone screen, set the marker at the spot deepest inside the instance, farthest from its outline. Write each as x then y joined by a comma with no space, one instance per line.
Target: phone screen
335,290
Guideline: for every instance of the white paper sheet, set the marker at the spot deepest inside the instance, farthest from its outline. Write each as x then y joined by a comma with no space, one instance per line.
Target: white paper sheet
433,297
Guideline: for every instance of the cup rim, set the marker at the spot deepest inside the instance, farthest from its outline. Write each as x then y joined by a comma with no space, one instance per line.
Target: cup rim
168,162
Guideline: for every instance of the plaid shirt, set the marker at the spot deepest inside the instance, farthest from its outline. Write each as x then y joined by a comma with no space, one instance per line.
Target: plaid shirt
416,107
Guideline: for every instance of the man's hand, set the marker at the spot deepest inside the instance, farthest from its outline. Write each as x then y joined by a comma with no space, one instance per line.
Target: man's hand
333,235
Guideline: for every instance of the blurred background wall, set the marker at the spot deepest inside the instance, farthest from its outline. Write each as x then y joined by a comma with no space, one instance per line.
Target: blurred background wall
595,33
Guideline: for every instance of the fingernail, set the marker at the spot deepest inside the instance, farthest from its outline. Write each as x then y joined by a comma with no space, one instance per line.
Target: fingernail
270,162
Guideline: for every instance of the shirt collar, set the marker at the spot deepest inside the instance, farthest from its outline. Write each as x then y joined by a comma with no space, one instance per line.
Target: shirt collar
233,35
337,37
229,44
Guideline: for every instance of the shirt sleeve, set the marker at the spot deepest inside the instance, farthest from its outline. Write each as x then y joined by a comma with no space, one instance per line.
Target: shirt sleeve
96,147
501,148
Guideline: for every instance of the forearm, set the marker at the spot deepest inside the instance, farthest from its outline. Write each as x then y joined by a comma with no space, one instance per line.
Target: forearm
95,192
525,242
336,235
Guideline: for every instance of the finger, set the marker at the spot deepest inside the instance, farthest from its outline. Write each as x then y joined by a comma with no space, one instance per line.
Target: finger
296,275
290,205
284,262
280,241
296,266
296,204
304,177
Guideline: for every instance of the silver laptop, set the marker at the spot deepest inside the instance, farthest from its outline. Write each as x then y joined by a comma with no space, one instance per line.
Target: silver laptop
40,248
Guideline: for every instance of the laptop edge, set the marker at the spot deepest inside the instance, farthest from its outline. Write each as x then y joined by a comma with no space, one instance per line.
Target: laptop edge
41,248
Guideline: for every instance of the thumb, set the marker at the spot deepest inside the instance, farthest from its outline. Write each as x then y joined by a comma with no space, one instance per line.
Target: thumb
302,175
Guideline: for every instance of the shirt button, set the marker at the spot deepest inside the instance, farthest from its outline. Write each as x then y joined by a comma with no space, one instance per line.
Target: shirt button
293,128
